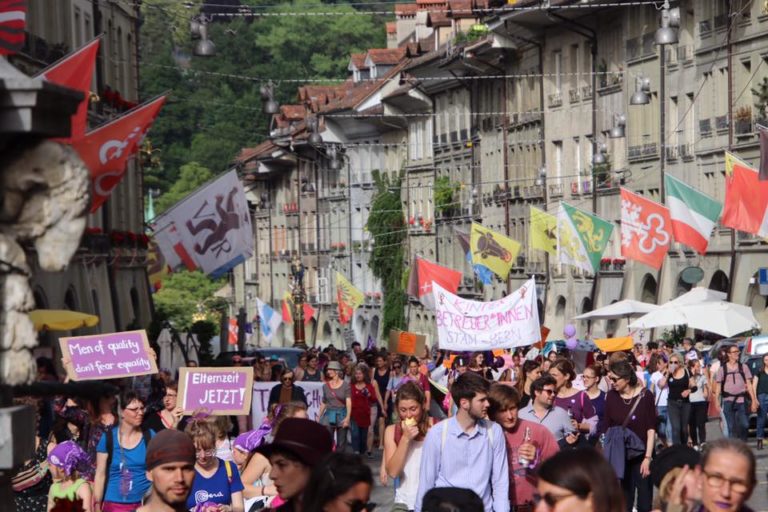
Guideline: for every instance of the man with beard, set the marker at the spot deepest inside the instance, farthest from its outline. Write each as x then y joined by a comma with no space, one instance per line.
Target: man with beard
171,470
543,411
467,451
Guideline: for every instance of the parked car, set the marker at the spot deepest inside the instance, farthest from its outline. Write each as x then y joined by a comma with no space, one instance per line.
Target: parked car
756,345
739,342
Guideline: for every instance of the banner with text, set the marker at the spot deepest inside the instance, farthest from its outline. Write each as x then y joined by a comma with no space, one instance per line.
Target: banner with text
259,409
107,356
217,391
468,325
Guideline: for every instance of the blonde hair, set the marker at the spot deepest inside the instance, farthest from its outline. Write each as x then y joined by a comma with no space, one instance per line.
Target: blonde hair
203,433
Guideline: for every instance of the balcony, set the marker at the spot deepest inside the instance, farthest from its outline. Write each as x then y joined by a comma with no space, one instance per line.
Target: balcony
532,192
586,92
744,125
573,95
610,82
671,153
555,190
650,149
685,53
705,127
291,208
556,99
685,151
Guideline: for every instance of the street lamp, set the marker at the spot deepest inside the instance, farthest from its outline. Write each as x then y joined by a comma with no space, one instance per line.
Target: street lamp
268,103
670,20
198,27
542,177
642,91
315,139
619,125
599,158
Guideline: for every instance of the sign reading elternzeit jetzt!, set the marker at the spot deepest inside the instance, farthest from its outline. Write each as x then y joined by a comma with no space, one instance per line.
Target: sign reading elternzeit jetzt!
218,391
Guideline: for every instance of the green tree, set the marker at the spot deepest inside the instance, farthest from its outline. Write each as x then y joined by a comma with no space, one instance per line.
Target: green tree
192,176
387,226
185,295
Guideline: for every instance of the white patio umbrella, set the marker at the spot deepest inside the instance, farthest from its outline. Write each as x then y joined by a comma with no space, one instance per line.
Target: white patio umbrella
622,309
697,296
724,318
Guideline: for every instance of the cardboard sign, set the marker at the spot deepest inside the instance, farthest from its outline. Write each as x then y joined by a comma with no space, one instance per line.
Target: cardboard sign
313,391
407,343
108,356
217,391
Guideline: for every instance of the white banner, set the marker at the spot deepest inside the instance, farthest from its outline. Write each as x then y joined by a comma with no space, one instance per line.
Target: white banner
214,225
468,325
259,405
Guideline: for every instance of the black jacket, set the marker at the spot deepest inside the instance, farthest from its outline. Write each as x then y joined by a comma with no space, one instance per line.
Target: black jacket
297,395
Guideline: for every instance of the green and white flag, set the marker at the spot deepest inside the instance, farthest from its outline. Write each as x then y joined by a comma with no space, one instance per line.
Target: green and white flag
581,237
694,214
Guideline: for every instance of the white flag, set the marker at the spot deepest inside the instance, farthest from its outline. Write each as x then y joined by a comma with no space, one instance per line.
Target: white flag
214,225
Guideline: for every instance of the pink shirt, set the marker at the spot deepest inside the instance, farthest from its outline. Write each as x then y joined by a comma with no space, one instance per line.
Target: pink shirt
522,481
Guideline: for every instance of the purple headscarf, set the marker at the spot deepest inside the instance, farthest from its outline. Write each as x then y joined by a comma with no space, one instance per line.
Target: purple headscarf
251,440
69,457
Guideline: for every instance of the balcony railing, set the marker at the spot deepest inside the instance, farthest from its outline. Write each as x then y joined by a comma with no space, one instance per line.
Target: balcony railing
556,190
671,152
685,53
685,151
573,96
721,123
555,99
586,92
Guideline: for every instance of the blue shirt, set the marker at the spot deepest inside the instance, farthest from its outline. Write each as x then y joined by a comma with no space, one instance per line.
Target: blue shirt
476,460
556,420
219,488
134,460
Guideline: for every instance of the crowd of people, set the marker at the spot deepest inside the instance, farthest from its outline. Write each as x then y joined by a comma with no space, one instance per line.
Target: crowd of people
518,430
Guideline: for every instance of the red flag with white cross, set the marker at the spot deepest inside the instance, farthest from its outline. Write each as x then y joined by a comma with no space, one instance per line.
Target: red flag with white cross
646,232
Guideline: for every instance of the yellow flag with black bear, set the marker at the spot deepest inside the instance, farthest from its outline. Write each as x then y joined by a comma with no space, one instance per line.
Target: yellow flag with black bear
493,250
543,233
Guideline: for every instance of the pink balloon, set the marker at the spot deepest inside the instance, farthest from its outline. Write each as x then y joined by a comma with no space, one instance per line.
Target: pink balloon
571,343
569,331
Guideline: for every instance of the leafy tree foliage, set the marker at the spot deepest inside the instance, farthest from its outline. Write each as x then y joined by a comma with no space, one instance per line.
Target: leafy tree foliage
192,176
387,226
187,294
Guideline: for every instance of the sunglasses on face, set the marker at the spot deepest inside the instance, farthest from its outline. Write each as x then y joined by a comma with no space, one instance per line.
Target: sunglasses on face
614,379
287,379
360,506
548,391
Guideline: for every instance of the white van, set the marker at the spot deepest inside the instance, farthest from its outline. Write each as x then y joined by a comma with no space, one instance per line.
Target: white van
756,345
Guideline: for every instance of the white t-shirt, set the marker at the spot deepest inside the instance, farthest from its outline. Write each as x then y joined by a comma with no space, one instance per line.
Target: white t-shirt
661,394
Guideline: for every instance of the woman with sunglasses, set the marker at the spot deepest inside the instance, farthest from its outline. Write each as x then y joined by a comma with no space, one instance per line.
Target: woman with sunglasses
336,406
680,386
396,379
120,480
629,404
340,483
287,390
578,480
217,482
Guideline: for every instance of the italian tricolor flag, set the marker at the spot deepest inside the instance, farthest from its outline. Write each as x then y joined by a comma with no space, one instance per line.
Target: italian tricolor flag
693,214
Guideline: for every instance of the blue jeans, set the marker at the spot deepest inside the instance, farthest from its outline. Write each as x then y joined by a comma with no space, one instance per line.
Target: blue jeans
665,429
736,418
762,402
359,437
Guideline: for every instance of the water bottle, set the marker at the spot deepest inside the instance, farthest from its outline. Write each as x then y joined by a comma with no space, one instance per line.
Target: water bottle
570,421
526,438
602,440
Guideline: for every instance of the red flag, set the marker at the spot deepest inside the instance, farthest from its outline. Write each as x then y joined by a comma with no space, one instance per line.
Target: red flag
746,201
13,21
106,149
645,229
232,334
424,273
76,72
309,313
763,135
287,308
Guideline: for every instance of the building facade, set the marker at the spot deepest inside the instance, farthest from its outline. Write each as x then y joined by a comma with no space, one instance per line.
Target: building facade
108,276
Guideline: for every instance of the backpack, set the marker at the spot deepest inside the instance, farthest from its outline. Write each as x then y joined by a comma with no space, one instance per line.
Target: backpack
726,373
146,435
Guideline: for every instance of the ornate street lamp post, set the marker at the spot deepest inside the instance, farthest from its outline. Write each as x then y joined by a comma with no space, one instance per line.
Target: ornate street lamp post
297,291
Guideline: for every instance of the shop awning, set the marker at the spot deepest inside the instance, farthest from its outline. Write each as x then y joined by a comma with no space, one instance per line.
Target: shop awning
61,319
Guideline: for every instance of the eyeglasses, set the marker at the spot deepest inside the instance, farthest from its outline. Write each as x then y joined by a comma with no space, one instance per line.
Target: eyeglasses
717,481
548,391
359,506
733,351
205,453
550,499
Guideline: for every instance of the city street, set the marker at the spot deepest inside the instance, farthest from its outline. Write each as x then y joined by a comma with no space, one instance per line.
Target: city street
383,496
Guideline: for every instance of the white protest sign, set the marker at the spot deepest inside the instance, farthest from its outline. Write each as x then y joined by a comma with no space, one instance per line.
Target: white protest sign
259,405
468,325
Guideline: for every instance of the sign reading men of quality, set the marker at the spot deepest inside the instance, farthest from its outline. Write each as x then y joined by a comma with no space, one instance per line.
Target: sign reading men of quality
470,325
108,356
218,391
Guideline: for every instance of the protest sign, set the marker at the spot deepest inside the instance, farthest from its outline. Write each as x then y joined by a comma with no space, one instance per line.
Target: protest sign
467,325
260,405
108,356
407,343
218,391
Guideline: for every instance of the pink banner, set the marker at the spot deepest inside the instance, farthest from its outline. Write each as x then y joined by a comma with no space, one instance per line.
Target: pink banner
218,391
